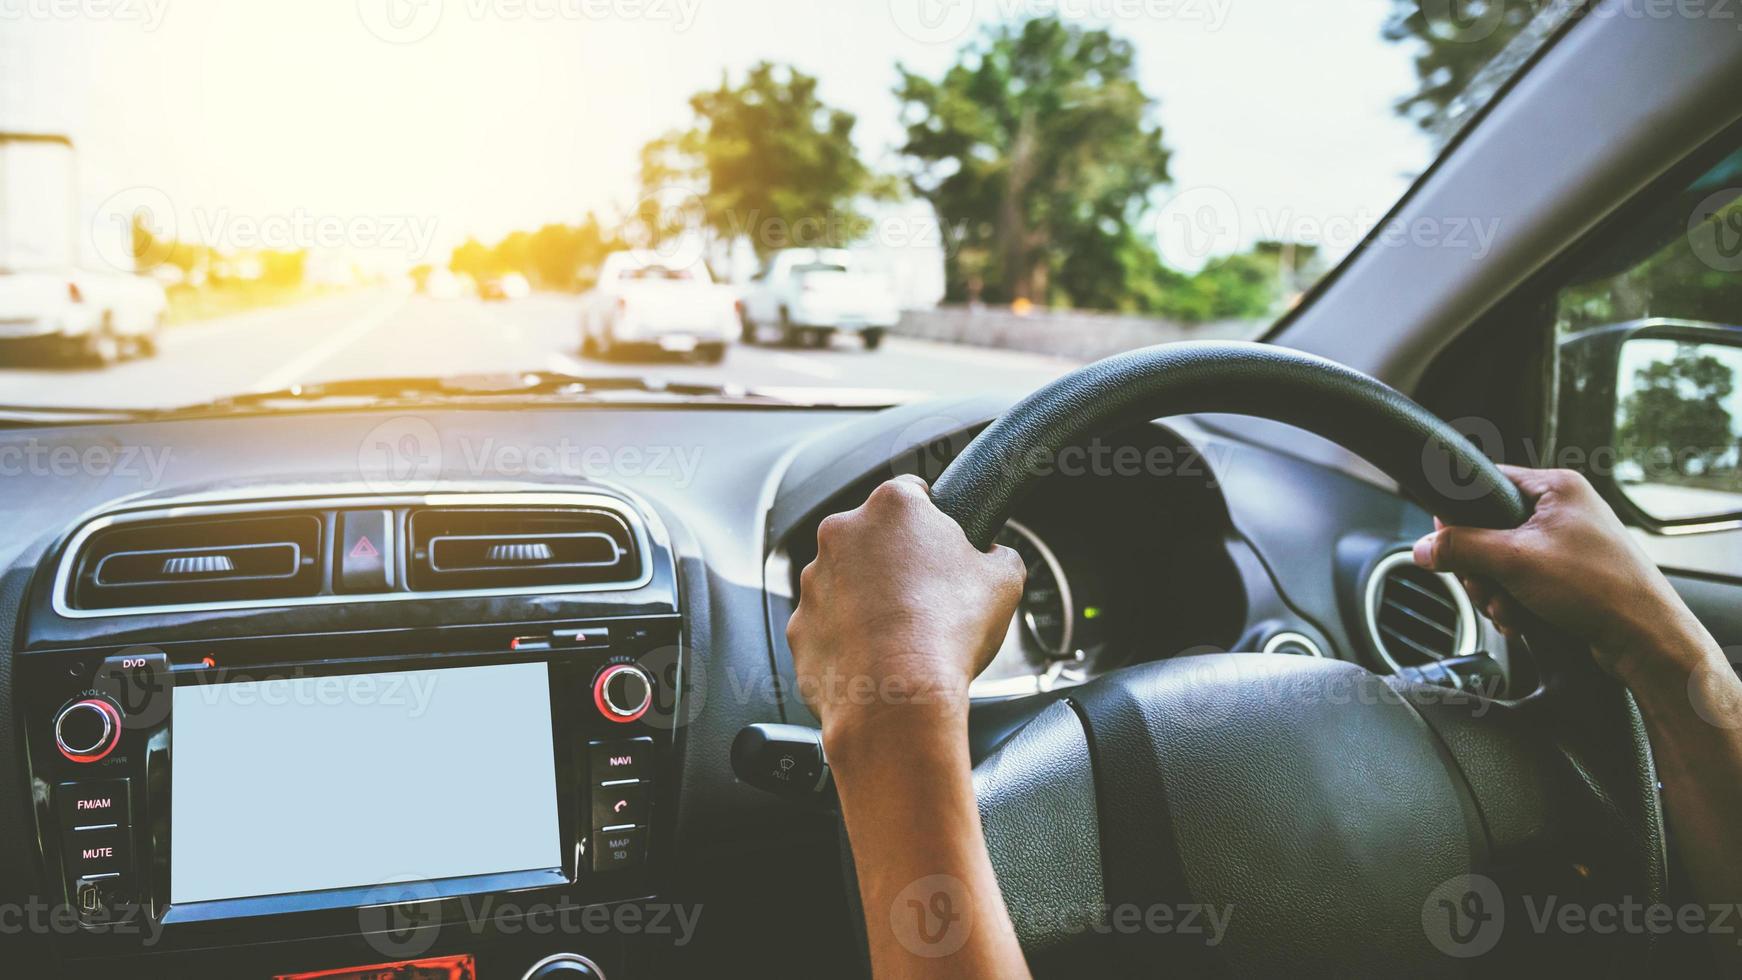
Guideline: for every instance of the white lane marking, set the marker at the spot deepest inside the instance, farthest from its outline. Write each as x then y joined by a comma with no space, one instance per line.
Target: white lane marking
334,343
803,365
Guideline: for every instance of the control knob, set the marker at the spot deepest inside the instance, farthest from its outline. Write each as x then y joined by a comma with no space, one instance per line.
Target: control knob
623,692
87,730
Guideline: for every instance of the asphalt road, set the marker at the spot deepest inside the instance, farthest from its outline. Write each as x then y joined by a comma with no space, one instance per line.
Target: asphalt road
374,334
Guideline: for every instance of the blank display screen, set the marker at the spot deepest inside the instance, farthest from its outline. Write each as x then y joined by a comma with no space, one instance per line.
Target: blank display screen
306,784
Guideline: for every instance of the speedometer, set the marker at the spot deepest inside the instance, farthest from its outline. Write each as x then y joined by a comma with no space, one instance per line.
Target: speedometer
1039,652
1046,613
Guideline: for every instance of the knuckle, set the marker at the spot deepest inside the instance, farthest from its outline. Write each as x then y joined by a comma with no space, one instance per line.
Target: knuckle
897,494
833,528
885,494
1567,481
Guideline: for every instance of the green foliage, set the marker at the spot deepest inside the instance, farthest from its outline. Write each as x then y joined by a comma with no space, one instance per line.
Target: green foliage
1675,281
556,257
474,258
1676,412
1454,41
1040,144
202,266
765,159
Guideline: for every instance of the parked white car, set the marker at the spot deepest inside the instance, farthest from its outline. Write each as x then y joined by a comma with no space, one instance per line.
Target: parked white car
646,301
98,317
804,296
49,298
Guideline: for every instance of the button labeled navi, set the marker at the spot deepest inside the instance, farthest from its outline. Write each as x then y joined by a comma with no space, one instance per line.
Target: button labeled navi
626,758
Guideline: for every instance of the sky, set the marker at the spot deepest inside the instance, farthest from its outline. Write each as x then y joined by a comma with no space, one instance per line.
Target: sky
414,123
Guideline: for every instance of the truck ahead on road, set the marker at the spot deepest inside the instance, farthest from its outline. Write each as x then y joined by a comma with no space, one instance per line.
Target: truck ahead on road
646,301
49,297
804,296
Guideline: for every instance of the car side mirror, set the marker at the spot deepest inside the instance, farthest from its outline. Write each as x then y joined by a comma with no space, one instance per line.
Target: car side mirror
1653,410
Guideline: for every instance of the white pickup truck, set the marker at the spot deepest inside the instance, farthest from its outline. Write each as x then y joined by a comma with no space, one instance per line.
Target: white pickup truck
646,301
48,297
804,296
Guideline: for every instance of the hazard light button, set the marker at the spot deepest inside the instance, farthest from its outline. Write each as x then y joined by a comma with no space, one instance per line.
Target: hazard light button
365,551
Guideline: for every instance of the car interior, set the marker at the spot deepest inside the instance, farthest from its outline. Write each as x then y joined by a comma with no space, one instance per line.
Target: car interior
326,700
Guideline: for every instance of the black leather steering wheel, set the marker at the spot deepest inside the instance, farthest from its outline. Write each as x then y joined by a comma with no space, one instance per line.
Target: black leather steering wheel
1335,822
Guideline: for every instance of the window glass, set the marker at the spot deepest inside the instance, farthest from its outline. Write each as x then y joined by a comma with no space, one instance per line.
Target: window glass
1668,287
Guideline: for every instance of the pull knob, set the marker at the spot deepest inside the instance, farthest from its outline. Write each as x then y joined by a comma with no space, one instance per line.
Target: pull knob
623,692
87,730
786,760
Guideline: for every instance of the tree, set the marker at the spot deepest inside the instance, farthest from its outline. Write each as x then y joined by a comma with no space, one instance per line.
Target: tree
1455,40
473,259
766,160
556,256
1677,408
1040,144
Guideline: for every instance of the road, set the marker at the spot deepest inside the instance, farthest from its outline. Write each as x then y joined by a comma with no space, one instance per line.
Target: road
373,334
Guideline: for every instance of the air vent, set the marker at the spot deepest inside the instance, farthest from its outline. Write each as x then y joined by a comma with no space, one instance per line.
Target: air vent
516,547
1415,616
175,562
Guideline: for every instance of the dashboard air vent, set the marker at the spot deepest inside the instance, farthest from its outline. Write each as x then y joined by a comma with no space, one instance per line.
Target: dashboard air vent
517,547
175,562
1415,616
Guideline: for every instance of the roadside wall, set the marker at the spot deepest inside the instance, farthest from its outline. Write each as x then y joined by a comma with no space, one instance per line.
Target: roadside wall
1079,335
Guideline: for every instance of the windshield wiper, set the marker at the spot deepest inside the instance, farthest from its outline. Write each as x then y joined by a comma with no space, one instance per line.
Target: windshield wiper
520,384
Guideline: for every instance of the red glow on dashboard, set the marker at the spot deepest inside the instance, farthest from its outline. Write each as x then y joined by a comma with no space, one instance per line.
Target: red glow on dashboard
462,967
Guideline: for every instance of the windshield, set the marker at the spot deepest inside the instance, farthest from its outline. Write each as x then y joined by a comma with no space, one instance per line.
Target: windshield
205,199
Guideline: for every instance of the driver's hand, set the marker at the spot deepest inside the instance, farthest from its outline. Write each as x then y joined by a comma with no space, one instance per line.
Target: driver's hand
899,612
1574,566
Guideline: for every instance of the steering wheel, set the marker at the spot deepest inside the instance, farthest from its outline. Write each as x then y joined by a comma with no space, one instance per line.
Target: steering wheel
1245,814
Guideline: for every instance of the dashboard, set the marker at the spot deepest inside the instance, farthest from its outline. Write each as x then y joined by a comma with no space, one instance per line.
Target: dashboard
275,712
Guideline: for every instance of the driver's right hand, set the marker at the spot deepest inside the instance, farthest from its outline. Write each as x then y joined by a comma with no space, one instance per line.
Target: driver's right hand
1573,565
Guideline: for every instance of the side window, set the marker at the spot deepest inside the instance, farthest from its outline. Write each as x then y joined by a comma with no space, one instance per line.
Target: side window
1650,365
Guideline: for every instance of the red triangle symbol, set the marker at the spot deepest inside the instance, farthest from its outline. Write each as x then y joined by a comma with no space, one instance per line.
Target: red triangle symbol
364,549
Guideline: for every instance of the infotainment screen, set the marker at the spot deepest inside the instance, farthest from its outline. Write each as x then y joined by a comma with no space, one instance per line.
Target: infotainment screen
314,783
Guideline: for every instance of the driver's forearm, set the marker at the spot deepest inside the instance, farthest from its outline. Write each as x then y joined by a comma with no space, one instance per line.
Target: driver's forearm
932,904
1693,714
